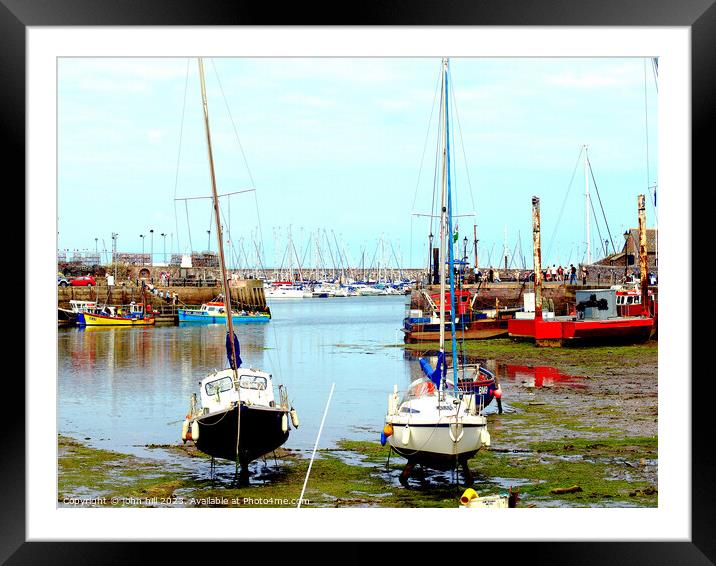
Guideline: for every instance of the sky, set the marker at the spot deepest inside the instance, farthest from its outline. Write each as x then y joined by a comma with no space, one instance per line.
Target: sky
345,148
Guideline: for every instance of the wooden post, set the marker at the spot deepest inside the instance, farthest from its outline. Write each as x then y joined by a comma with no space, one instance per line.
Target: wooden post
537,251
643,257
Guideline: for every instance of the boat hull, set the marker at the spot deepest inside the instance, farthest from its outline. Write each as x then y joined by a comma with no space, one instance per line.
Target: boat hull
66,317
432,446
199,316
260,432
285,294
86,319
621,329
476,330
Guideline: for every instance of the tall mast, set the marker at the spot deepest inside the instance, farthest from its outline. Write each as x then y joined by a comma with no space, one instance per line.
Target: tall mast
587,204
443,218
217,217
451,246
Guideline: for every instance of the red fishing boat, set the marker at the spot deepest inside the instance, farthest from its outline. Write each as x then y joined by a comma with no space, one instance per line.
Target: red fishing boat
596,317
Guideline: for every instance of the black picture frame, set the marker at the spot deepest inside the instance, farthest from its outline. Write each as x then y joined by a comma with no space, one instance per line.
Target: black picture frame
698,15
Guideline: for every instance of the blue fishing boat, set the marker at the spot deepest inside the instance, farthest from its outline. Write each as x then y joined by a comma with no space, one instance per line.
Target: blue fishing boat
215,312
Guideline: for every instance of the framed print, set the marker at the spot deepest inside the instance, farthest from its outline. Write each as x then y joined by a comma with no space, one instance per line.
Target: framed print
128,114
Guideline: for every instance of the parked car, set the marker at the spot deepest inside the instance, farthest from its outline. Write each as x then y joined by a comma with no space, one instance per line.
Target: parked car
84,281
62,281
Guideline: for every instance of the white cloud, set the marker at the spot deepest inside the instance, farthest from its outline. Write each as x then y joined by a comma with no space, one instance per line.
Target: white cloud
111,85
606,77
308,100
155,136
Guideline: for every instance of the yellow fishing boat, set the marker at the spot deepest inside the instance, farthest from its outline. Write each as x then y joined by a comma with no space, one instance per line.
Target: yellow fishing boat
88,319
134,315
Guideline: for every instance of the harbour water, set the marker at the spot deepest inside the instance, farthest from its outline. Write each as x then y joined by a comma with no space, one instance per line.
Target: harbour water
125,388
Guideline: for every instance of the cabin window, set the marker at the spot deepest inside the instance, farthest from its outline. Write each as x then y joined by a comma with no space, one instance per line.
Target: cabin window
629,300
219,386
253,382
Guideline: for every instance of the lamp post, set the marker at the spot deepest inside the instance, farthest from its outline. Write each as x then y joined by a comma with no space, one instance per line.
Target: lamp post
430,256
114,252
164,246
208,242
142,236
151,247
464,256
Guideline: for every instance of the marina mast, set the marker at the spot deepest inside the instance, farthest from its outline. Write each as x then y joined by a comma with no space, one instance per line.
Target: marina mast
587,204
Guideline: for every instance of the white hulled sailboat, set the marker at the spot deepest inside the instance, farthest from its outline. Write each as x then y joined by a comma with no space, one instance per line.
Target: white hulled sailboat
438,422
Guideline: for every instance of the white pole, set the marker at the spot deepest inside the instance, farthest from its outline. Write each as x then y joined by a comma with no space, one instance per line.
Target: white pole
315,447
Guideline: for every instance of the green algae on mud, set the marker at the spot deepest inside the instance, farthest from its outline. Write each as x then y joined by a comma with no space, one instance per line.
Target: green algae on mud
570,358
355,475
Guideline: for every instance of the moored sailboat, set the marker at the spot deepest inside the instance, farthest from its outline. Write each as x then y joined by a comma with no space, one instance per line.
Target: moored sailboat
239,418
439,421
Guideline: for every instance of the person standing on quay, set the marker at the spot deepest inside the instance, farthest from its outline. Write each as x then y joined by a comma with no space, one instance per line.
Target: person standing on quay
572,274
584,275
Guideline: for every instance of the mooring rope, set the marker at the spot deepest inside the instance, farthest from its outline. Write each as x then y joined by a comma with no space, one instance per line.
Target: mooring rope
315,447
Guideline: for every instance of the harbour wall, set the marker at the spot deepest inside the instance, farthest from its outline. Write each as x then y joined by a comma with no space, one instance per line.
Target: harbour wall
246,293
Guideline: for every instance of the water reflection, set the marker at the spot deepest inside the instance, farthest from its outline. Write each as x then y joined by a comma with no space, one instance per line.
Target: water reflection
538,376
530,376
128,387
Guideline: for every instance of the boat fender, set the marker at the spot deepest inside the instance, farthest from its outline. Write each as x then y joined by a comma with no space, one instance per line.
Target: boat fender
383,439
388,430
468,496
498,392
406,434
485,437
284,423
195,431
185,430
294,418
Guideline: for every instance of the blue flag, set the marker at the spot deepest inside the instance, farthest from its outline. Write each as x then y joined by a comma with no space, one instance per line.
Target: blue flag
238,352
436,374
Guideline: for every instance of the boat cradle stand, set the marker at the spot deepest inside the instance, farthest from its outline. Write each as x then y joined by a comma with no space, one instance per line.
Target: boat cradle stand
410,465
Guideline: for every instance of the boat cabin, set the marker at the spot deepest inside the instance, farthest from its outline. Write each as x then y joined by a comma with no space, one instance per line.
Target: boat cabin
629,300
213,308
136,309
219,391
83,306
462,301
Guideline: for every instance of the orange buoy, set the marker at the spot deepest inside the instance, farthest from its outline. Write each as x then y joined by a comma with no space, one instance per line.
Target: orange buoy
388,429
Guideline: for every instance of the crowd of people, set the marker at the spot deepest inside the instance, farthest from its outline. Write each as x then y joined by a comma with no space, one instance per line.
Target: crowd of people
551,274
168,297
